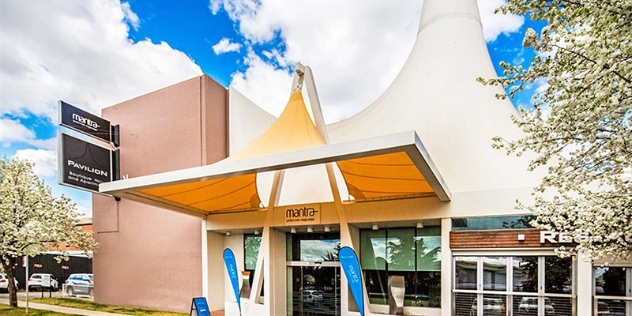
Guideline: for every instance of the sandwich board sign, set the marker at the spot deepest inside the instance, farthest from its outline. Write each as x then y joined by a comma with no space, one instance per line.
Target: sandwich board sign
199,307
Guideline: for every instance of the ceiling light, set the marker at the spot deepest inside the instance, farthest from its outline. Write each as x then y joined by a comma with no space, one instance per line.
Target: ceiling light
228,233
256,232
293,230
375,227
310,230
420,225
327,229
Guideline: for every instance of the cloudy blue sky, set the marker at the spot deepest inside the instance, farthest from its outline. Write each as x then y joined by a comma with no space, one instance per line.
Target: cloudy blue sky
97,53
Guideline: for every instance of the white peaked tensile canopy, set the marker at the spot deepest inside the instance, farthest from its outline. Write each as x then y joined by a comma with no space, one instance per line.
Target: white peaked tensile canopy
436,95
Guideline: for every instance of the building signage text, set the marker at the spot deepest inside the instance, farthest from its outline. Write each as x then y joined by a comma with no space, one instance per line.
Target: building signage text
557,238
302,215
82,121
82,164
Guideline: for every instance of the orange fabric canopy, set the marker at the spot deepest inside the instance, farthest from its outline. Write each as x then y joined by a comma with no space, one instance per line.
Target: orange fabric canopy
391,166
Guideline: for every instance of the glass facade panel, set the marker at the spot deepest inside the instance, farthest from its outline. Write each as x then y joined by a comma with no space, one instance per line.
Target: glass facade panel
610,281
313,247
373,249
465,304
494,305
617,282
558,277
400,248
494,273
558,306
492,222
408,252
525,274
541,285
251,251
465,272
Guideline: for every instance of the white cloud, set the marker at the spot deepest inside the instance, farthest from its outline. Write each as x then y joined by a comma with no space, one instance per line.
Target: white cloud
496,24
45,161
225,46
79,51
355,48
264,84
130,15
12,131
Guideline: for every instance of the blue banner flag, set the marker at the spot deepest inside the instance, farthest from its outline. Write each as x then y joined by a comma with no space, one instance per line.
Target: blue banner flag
351,266
231,268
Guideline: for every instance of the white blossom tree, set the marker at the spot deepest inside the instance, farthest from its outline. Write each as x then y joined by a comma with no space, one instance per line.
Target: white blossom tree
33,221
580,125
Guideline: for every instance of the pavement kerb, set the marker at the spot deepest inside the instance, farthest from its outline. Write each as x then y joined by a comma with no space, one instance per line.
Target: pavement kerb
61,309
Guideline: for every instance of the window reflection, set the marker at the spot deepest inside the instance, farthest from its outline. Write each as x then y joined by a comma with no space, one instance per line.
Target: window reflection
558,277
466,272
408,252
494,273
525,274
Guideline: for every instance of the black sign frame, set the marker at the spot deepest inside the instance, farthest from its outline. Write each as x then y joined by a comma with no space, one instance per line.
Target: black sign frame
84,165
84,122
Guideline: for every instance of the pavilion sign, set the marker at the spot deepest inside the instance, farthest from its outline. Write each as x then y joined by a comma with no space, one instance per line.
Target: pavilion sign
83,164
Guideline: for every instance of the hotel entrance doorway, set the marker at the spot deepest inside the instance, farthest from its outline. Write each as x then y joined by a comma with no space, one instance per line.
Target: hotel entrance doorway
313,274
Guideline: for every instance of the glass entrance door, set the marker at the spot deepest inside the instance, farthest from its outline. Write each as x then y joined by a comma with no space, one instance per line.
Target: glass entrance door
315,289
313,274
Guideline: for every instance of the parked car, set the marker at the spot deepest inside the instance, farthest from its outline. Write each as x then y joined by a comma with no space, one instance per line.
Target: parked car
4,283
530,304
491,306
312,296
38,280
80,283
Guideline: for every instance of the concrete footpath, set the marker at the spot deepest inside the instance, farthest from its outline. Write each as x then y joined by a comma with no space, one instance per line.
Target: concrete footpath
60,309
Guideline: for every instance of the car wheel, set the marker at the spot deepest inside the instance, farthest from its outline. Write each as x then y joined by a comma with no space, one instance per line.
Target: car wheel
70,291
91,292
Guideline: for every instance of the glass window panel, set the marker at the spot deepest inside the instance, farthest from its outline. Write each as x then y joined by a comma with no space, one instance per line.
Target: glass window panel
612,308
373,249
494,305
494,273
251,251
610,281
525,274
428,289
400,247
465,304
320,250
376,286
558,275
492,222
558,306
428,247
525,305
465,272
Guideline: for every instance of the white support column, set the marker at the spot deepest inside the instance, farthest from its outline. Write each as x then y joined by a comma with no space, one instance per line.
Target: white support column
264,259
584,286
446,268
204,258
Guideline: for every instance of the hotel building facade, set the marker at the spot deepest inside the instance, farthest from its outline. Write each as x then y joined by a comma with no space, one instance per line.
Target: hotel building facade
411,183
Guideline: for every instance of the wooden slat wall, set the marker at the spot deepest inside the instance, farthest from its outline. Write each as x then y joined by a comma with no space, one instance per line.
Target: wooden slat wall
506,238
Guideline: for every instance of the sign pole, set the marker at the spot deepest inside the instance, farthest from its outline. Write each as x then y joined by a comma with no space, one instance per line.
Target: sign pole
26,262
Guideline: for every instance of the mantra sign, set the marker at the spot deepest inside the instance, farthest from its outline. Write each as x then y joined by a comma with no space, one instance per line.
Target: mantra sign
305,215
